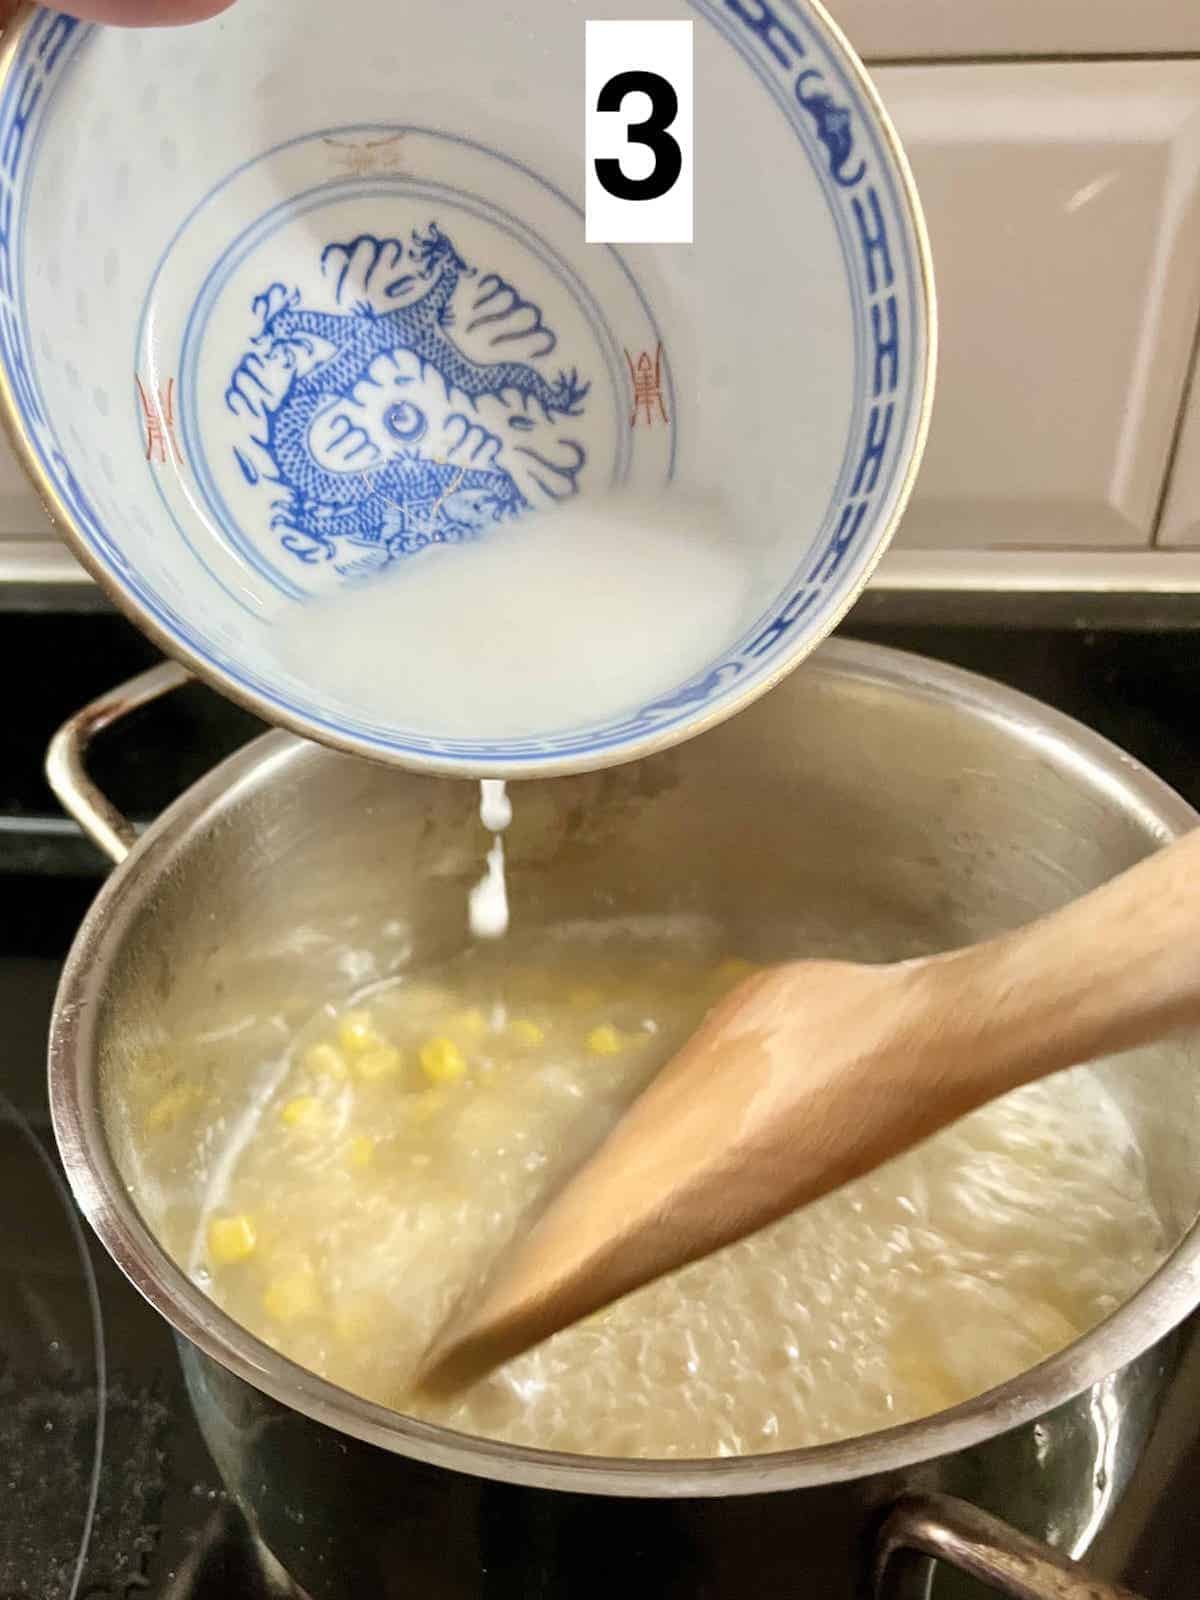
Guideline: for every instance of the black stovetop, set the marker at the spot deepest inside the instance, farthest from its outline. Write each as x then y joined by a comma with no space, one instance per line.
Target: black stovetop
106,1489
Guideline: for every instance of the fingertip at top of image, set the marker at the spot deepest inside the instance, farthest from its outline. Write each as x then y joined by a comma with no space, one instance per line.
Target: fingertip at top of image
131,13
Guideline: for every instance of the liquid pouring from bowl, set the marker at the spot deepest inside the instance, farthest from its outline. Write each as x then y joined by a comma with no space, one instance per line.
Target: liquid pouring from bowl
812,1073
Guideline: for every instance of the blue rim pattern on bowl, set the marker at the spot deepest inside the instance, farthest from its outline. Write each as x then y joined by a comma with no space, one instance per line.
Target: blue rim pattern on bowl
846,144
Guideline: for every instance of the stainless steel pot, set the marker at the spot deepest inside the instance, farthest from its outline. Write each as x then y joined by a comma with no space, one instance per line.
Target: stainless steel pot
872,794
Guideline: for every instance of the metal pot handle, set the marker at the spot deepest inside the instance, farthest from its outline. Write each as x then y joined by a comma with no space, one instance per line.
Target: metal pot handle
924,1528
65,770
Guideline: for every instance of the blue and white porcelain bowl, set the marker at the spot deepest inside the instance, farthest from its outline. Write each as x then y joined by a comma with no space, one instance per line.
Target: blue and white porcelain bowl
191,220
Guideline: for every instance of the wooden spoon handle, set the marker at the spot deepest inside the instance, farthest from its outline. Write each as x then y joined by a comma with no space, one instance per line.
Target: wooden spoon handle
812,1073
1110,971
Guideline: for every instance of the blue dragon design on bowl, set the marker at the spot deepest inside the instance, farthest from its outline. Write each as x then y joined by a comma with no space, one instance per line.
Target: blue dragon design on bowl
383,434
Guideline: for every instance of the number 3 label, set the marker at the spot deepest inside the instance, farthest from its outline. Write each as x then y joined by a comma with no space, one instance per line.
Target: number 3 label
638,182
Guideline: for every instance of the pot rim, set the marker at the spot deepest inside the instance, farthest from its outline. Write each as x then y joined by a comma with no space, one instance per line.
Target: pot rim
1162,1302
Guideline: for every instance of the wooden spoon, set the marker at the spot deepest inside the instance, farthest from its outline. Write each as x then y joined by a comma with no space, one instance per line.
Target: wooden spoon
814,1072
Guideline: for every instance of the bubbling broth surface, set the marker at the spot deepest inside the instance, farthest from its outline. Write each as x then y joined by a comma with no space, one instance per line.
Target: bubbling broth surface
405,1140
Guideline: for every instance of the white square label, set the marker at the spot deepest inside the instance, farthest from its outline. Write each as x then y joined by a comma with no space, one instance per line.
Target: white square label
639,132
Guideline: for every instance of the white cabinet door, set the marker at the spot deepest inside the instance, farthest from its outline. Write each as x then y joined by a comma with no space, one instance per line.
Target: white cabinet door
1064,208
1181,513
924,29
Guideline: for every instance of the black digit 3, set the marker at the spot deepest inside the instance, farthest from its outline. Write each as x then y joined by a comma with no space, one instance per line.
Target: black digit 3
652,132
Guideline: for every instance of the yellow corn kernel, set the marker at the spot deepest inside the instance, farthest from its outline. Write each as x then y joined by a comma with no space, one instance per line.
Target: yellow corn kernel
733,969
584,997
605,1040
164,1113
305,1112
292,1296
356,1034
325,1061
231,1239
473,1023
525,1032
382,1062
442,1061
362,1148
